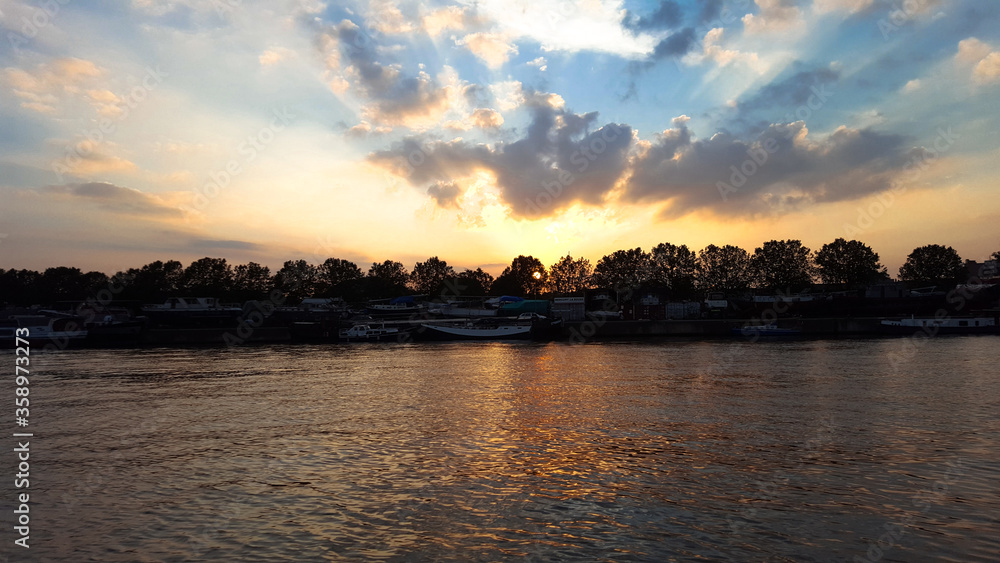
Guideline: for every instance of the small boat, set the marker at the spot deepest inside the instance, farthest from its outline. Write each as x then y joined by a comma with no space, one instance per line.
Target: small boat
367,333
768,330
945,325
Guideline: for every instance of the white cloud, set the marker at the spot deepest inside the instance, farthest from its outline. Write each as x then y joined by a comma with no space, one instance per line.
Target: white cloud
713,50
558,25
539,62
849,6
509,94
774,16
449,17
274,56
912,86
983,57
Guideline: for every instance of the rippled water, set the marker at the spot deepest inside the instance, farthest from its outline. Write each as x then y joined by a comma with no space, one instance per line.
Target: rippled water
654,451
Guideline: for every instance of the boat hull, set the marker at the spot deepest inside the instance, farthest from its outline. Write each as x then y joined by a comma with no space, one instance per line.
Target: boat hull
502,332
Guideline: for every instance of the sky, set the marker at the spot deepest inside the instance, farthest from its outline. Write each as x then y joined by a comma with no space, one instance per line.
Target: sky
480,130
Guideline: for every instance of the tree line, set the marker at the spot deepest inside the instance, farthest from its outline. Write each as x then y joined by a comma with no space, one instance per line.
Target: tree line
784,265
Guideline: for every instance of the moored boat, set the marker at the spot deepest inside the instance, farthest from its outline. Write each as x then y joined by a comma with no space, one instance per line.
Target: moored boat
368,333
768,330
42,331
943,325
475,331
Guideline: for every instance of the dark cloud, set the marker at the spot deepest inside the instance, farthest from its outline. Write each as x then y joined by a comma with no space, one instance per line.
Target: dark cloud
668,15
710,9
676,45
793,91
779,171
115,198
394,95
561,159
445,193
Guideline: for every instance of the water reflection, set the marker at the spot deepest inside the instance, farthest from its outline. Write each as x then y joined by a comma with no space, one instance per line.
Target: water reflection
648,451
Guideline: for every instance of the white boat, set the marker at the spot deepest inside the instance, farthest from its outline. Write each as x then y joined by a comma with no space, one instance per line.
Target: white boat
63,332
369,333
945,325
475,331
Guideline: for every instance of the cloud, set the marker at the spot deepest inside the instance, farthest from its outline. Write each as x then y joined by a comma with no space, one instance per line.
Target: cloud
777,172
445,193
558,25
49,84
274,56
494,49
539,62
793,91
983,57
561,152
678,44
710,9
116,199
667,16
393,97
713,50
385,16
365,129
911,86
486,118
773,16
849,6
222,244
86,158
449,17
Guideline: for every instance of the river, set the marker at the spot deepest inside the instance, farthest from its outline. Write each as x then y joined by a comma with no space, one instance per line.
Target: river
818,450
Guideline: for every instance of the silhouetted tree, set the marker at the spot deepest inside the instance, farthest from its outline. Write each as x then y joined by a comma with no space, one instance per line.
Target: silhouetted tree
428,275
849,262
387,279
782,264
477,282
933,263
723,268
622,270
69,284
21,287
334,276
152,283
251,281
674,267
298,279
995,255
525,276
570,275
207,277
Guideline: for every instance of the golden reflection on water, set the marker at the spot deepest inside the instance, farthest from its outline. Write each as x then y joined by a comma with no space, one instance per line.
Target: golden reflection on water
487,451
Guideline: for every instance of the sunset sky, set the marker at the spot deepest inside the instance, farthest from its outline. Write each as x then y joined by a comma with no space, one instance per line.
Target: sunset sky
480,130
